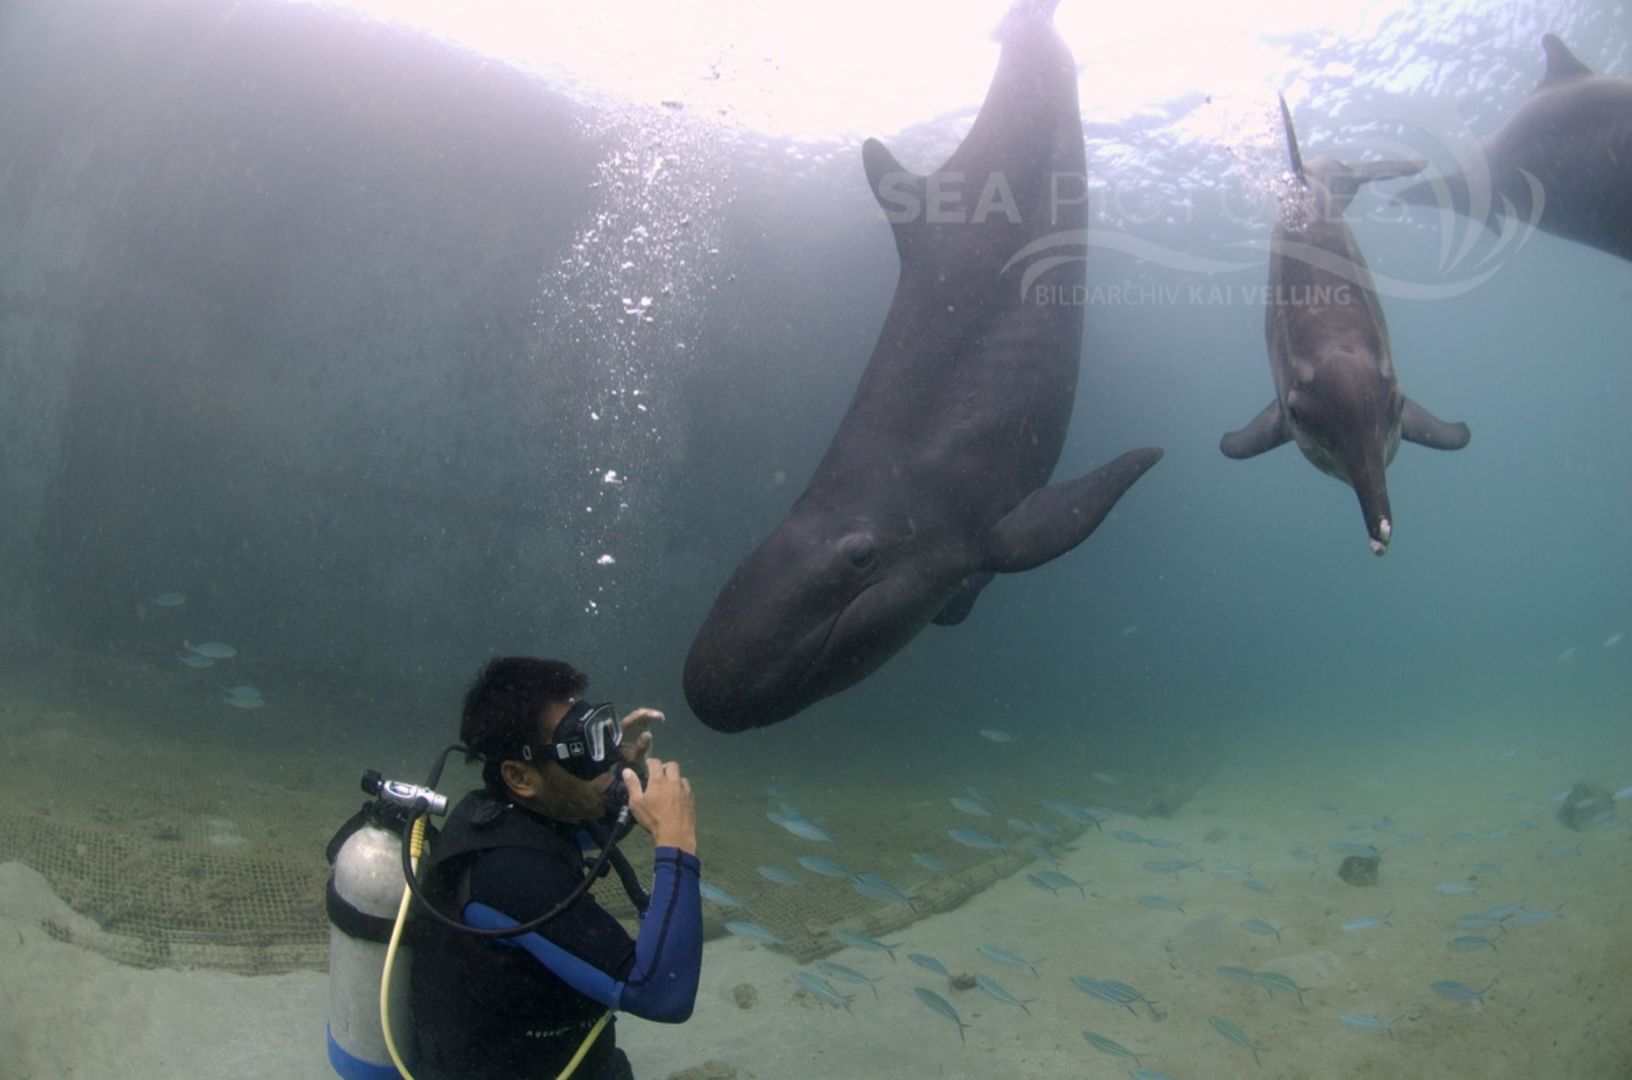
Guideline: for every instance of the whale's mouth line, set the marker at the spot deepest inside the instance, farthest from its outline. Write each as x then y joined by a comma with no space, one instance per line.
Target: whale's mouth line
821,651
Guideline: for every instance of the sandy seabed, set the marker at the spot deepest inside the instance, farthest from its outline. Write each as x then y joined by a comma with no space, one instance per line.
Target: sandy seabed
1558,1004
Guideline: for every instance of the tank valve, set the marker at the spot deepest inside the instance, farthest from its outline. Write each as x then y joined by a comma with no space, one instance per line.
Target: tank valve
403,794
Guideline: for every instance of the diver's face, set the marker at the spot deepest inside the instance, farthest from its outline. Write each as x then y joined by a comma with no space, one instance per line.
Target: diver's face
550,789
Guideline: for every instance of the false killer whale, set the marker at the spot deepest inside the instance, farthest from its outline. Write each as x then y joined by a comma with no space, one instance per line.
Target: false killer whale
1336,395
938,475
1563,161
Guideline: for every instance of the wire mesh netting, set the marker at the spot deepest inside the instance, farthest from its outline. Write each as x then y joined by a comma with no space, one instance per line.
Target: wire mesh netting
183,846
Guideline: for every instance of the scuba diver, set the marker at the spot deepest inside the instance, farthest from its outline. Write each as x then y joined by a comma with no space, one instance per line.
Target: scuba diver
558,773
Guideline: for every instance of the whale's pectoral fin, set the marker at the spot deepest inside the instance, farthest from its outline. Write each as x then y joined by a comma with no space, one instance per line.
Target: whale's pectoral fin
963,601
1266,431
1422,427
1054,519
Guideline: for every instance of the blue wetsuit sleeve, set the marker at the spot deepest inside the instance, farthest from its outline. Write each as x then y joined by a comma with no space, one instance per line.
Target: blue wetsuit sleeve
658,981
662,983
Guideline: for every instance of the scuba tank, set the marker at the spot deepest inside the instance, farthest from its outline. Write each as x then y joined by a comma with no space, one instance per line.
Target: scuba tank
365,892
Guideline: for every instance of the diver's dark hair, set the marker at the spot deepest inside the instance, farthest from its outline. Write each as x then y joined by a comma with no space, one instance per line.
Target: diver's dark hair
503,705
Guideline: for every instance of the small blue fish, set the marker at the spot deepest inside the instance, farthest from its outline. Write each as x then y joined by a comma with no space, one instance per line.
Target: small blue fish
1161,903
1531,916
1239,974
215,650
942,1006
929,963
244,701
1559,854
1272,981
1097,988
1046,831
719,896
819,987
752,931
168,599
1303,856
1127,995
807,830
1172,866
777,875
862,941
997,735
1471,943
1258,886
1352,847
1139,1073
193,660
1110,1046
1478,922
1261,928
1004,956
974,838
1235,1035
1366,1022
1020,825
1056,880
1160,842
825,867
1229,870
1454,888
1367,922
1127,836
1043,853
875,887
930,863
1080,814
1501,912
970,806
1459,991
839,971
995,989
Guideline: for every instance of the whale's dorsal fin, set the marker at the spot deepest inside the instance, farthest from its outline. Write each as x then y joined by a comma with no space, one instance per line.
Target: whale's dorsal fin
1292,142
899,191
1562,66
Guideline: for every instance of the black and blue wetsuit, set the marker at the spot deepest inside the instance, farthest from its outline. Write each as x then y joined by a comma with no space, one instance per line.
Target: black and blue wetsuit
520,1007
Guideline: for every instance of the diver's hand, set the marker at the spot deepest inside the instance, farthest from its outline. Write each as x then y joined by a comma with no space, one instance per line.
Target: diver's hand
664,807
637,737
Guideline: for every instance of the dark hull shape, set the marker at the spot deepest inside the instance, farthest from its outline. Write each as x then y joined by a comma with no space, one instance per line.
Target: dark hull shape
1563,161
1336,395
938,475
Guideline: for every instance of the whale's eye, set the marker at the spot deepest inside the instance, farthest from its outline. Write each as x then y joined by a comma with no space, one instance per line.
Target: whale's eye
859,550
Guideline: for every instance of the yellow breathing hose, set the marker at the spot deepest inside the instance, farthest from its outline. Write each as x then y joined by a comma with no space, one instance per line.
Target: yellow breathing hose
416,847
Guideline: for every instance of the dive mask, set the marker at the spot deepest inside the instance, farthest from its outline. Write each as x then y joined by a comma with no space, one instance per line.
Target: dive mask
585,743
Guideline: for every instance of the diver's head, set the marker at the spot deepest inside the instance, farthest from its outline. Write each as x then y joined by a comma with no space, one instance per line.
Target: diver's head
543,746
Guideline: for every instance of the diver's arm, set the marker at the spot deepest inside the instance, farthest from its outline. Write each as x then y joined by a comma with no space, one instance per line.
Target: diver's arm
661,984
655,979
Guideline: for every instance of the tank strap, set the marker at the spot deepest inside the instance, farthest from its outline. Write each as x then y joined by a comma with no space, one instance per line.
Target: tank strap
354,923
